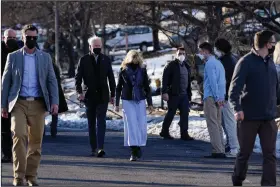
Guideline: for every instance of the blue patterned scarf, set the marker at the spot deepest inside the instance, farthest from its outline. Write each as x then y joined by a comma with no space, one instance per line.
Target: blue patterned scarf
136,79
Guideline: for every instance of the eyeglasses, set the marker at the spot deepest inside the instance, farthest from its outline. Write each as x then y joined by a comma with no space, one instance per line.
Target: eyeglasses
31,37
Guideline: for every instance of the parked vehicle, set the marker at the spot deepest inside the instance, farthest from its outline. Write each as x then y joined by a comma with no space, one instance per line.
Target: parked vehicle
138,37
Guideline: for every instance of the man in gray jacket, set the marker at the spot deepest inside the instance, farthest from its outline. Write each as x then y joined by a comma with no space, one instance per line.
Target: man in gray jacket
29,89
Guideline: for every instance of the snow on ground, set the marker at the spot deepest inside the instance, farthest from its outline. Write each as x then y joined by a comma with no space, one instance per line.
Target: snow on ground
75,119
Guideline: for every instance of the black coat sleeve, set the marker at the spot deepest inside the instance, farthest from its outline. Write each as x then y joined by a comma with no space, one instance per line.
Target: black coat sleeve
57,73
165,78
119,88
79,77
278,87
189,91
229,63
147,88
237,83
111,78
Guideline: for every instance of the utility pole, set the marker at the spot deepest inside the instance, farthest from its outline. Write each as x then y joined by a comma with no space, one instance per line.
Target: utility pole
56,36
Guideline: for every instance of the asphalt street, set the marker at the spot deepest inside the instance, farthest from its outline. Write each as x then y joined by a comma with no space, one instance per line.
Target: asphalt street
66,162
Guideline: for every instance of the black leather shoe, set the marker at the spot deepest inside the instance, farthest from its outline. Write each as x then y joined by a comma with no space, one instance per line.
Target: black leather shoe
235,182
216,155
186,137
32,183
18,182
166,136
6,159
101,153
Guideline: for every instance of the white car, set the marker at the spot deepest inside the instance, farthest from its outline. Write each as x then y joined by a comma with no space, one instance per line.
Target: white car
138,37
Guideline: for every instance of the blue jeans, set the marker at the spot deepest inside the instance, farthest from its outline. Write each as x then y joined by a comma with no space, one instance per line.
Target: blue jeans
96,129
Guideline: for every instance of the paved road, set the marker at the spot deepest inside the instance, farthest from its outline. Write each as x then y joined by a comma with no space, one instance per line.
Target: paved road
65,162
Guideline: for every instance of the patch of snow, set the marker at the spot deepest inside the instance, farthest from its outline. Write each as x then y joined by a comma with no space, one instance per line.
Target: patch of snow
75,118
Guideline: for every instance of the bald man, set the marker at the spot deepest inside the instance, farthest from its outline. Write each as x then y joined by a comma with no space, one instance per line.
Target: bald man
8,45
95,71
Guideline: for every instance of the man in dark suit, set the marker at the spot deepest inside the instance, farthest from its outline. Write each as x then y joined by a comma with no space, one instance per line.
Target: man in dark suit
8,45
94,69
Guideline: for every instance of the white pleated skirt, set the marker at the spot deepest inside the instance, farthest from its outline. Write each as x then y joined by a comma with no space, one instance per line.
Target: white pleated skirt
135,123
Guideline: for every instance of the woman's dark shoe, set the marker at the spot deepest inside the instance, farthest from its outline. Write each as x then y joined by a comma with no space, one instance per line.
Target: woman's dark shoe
134,153
133,158
101,153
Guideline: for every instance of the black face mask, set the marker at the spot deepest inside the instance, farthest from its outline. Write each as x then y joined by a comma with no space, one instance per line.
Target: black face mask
97,51
271,51
30,44
12,45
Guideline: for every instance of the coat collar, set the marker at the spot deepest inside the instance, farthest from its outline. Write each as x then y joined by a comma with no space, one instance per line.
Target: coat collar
37,53
266,59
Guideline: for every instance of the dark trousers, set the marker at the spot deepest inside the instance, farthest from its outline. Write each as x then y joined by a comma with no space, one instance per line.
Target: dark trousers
96,129
247,132
6,136
54,124
177,102
134,150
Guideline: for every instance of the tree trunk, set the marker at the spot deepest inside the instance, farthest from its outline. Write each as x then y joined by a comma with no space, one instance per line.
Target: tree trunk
155,30
103,38
155,39
57,36
214,23
71,70
85,44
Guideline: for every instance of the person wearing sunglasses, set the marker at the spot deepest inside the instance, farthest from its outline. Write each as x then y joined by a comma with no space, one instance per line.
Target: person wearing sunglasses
253,93
8,45
29,89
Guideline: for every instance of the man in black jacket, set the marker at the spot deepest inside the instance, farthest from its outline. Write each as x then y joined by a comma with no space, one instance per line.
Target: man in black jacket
8,45
223,51
253,93
94,69
176,90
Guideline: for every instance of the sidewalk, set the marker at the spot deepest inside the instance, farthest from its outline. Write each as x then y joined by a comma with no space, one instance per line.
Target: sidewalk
65,162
